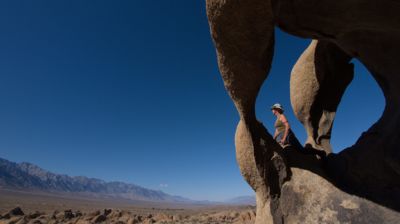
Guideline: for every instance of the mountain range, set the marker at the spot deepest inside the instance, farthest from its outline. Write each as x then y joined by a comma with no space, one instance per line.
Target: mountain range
27,176
242,200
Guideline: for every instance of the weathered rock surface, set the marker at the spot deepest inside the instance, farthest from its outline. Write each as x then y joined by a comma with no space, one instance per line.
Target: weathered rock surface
361,184
17,211
318,81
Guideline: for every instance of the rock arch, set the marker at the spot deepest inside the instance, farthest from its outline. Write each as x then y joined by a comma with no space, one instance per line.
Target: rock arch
290,186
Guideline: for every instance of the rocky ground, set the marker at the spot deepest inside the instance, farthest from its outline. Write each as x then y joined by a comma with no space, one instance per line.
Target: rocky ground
37,207
18,216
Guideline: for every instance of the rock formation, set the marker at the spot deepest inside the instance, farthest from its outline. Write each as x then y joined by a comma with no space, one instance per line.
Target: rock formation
361,184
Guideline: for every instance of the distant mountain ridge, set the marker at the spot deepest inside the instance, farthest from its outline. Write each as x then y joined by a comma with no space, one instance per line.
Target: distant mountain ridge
242,200
31,177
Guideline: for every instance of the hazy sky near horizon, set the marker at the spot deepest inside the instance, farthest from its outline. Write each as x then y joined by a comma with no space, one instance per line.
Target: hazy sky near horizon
130,91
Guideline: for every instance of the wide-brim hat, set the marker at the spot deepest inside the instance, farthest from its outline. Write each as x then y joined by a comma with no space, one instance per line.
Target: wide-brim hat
277,106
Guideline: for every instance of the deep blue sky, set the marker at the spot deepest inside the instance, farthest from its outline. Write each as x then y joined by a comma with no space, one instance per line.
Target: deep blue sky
130,91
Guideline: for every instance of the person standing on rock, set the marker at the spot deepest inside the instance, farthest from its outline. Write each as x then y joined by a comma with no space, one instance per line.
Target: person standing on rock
283,134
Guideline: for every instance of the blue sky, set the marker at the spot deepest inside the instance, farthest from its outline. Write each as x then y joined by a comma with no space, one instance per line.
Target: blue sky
130,91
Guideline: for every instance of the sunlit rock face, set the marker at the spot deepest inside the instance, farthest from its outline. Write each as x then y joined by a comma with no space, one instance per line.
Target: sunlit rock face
361,184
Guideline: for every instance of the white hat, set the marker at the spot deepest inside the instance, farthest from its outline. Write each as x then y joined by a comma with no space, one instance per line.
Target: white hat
277,106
